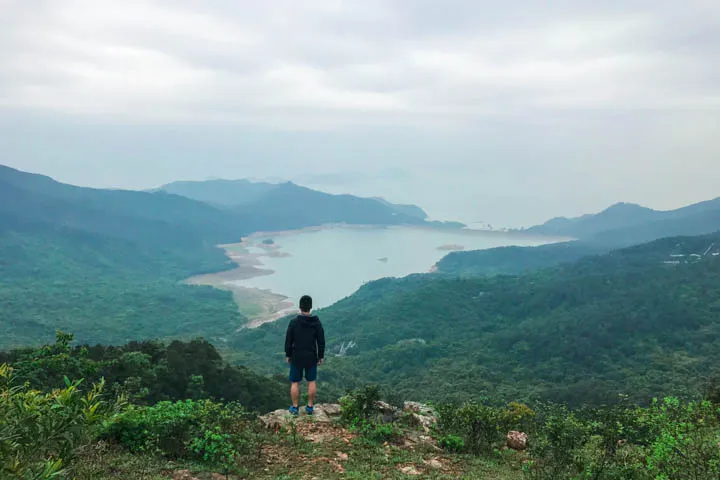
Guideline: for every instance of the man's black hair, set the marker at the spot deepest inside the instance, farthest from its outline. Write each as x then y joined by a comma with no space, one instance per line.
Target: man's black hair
305,303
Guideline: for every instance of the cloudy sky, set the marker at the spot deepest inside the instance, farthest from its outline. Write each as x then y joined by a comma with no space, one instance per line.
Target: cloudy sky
506,112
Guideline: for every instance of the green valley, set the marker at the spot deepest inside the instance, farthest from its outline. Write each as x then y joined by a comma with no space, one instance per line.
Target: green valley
635,321
109,264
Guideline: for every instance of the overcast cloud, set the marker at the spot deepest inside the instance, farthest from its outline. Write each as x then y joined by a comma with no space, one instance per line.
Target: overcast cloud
505,112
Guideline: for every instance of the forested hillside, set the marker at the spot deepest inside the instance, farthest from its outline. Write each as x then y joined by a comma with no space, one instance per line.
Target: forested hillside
108,264
625,322
147,372
514,260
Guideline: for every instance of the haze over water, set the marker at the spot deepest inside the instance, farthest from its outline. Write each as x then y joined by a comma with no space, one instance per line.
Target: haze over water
333,263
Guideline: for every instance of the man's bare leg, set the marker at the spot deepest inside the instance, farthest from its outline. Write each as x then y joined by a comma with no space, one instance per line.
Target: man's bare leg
312,390
295,393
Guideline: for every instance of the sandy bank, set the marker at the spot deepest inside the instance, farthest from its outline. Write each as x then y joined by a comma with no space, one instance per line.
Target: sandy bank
257,305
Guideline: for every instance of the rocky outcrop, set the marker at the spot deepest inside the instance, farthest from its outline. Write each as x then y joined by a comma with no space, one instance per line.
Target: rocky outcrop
324,422
517,440
324,413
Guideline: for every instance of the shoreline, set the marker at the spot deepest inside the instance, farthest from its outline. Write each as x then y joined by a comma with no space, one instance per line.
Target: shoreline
263,306
257,305
423,227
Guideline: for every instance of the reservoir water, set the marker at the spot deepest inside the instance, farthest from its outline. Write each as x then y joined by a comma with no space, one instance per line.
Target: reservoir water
334,262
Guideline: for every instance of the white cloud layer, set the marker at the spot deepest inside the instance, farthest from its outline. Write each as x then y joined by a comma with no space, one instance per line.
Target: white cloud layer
388,61
531,93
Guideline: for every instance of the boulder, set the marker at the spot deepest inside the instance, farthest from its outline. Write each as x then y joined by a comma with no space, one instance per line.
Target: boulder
433,463
387,411
413,439
419,408
331,409
326,412
517,440
410,470
422,417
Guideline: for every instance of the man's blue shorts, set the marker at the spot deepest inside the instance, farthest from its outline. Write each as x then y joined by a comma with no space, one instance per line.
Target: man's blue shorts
296,373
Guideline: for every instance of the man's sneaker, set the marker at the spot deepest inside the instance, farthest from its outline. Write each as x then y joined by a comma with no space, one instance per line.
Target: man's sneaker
294,411
309,410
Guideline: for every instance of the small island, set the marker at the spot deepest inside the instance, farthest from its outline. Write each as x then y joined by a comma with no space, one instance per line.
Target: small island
268,241
451,247
383,259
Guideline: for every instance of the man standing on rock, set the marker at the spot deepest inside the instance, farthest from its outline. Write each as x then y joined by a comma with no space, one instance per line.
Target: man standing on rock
304,351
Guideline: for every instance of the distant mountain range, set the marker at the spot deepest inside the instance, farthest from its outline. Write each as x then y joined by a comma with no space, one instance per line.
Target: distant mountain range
628,223
621,225
287,205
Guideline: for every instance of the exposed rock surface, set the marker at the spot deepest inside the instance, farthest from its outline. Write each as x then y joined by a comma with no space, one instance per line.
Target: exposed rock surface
410,470
188,475
324,413
387,411
517,440
183,475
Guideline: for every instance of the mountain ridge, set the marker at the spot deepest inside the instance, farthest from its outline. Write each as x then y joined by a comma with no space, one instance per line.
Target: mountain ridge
244,192
617,216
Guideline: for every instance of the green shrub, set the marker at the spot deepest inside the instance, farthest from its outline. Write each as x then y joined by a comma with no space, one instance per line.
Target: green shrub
479,426
201,430
671,440
360,414
516,416
686,442
452,443
374,431
556,449
360,405
41,433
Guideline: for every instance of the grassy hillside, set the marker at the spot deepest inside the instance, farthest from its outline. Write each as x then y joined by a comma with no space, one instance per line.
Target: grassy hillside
108,264
624,322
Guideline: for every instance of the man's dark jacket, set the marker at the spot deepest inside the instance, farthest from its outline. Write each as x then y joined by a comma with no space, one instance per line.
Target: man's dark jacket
305,341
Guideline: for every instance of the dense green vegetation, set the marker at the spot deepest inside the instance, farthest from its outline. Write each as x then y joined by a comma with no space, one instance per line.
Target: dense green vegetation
147,372
669,439
624,322
108,290
86,431
107,264
514,260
